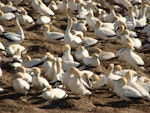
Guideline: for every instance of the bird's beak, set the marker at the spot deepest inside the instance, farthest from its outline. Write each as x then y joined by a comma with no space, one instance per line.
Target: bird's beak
45,89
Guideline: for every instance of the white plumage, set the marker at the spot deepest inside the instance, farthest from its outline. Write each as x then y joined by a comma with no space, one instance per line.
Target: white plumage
16,59
132,58
24,18
26,76
7,8
11,49
92,60
110,17
68,64
20,85
81,52
130,19
47,60
103,32
125,91
15,37
39,83
88,41
91,20
98,81
139,88
70,39
1,29
121,72
144,82
43,9
52,36
103,55
110,77
42,20
53,93
67,53
53,6
35,4
126,38
142,21
51,70
75,83
29,62
6,16
79,25
0,69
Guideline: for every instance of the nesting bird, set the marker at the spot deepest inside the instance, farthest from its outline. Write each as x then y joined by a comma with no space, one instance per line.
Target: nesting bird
91,20
132,58
20,85
125,91
98,81
79,25
52,36
24,18
75,83
6,16
39,83
29,62
103,32
130,81
11,49
26,76
88,41
92,60
42,20
110,77
103,55
67,54
53,93
8,7
43,9
81,52
16,59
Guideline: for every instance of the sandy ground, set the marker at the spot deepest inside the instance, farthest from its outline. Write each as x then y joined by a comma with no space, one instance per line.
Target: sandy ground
101,101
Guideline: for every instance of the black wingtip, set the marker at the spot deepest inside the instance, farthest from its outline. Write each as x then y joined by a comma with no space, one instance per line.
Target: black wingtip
3,36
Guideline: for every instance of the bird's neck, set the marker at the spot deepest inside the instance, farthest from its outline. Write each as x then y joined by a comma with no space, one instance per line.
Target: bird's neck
113,12
20,30
69,25
143,12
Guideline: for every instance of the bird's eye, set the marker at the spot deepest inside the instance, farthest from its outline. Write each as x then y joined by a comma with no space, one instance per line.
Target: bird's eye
90,79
